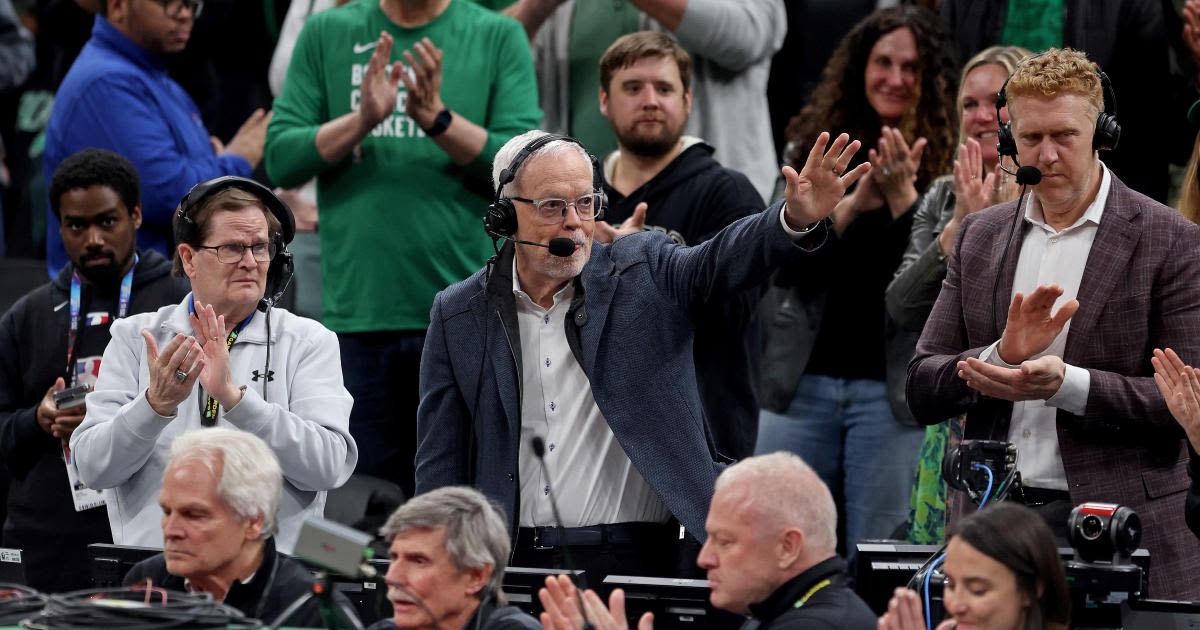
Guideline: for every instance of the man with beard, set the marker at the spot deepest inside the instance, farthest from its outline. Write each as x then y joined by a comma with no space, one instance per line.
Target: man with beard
52,340
117,96
609,386
646,94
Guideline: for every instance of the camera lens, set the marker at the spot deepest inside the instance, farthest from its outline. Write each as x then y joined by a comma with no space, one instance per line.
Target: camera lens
1091,527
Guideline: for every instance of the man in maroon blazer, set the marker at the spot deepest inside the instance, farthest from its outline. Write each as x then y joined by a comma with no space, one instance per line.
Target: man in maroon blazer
1056,359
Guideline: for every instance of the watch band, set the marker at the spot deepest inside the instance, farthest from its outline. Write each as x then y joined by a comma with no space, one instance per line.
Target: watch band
440,124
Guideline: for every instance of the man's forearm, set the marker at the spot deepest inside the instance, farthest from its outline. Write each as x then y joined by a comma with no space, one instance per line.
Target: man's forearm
336,138
531,13
669,13
463,140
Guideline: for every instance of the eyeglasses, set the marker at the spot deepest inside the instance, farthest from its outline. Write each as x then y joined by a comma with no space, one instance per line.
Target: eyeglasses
551,210
230,253
174,8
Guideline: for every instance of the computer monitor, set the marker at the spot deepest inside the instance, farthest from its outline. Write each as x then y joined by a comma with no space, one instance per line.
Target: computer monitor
677,603
110,563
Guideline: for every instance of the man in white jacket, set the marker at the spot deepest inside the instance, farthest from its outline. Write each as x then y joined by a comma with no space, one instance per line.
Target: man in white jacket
214,360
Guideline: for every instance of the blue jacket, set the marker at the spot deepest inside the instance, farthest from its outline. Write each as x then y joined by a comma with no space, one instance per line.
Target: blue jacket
630,330
118,96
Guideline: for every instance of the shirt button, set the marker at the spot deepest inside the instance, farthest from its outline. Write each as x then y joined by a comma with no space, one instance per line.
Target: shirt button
552,446
1025,434
510,476
547,361
546,490
552,406
546,319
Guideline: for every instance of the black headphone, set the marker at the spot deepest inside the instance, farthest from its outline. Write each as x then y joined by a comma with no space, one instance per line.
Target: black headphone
1108,130
501,218
279,274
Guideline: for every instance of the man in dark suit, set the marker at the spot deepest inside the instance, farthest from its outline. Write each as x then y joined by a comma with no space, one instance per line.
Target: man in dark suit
1098,276
514,352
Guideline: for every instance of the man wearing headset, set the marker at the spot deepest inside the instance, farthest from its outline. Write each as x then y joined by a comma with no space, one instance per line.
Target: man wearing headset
588,346
1046,345
215,360
220,512
447,550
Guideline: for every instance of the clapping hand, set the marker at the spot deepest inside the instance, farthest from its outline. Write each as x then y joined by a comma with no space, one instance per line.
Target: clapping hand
173,372
904,613
1180,387
1031,327
560,599
215,377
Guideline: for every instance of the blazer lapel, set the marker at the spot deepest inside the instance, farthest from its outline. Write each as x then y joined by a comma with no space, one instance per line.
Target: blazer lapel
1116,239
599,281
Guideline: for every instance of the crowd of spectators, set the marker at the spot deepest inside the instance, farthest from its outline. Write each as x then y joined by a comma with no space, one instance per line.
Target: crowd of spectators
865,318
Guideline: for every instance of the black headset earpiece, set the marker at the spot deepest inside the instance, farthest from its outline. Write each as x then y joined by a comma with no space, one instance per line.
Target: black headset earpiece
1105,138
500,220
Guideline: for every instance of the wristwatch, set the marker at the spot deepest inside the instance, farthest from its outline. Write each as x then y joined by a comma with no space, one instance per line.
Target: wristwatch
439,124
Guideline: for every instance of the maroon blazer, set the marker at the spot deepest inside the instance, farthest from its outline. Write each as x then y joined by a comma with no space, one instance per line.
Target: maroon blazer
1140,290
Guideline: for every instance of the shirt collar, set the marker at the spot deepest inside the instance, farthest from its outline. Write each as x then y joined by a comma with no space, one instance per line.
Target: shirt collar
785,597
563,295
104,32
1093,214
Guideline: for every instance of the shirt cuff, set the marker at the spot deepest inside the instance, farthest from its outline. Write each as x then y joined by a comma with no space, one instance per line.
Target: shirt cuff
1072,395
794,234
991,355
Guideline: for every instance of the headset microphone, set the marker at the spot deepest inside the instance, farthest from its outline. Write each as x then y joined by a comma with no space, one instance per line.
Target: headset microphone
1029,176
561,247
539,451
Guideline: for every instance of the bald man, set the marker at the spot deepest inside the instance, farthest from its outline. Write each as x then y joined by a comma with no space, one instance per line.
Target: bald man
770,555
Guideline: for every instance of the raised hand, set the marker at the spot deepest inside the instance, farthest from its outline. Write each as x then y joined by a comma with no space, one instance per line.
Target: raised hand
181,356
215,377
1180,387
972,191
606,233
423,88
561,603
1031,326
813,193
896,165
377,99
905,613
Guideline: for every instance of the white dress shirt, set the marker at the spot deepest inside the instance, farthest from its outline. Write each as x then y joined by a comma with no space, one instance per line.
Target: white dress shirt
594,480
1051,257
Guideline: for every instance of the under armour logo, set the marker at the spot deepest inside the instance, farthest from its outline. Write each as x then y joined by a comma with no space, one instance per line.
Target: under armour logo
270,375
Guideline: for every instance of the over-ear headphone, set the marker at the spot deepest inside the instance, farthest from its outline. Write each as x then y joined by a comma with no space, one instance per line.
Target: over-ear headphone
1108,129
501,218
279,274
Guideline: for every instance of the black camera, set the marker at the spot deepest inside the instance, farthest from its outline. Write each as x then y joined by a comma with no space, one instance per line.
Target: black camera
1104,532
967,466
71,396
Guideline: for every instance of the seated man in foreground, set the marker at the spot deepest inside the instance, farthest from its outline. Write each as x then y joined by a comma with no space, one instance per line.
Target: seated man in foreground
772,531
220,503
448,549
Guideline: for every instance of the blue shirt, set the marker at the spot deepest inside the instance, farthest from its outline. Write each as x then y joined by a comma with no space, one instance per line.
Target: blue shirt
118,96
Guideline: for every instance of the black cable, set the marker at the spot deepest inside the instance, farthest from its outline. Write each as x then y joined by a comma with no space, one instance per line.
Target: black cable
17,602
127,609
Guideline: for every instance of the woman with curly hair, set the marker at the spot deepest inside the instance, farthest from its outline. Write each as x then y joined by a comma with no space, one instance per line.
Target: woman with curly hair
891,81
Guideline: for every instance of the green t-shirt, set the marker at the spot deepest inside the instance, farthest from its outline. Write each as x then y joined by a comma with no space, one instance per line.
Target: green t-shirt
1034,24
595,25
399,220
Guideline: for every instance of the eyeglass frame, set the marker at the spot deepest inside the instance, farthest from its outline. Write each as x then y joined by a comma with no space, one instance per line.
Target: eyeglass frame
597,210
270,245
197,7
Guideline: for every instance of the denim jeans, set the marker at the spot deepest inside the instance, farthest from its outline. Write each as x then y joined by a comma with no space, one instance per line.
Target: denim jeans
845,430
381,371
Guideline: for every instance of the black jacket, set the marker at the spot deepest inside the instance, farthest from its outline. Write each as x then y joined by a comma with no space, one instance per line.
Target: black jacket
279,581
691,199
42,520
486,617
803,604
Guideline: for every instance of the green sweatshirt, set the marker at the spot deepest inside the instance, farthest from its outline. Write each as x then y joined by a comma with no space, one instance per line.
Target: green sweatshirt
399,220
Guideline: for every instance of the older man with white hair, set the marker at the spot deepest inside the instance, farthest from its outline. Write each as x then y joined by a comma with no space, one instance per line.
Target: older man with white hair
770,555
220,503
448,549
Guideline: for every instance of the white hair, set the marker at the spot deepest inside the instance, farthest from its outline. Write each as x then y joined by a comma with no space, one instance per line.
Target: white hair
475,530
250,478
786,492
508,152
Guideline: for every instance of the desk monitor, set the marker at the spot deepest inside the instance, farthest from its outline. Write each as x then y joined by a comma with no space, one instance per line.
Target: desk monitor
677,603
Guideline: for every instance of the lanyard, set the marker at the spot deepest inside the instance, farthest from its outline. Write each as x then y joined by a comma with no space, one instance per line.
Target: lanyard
209,418
76,305
812,591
